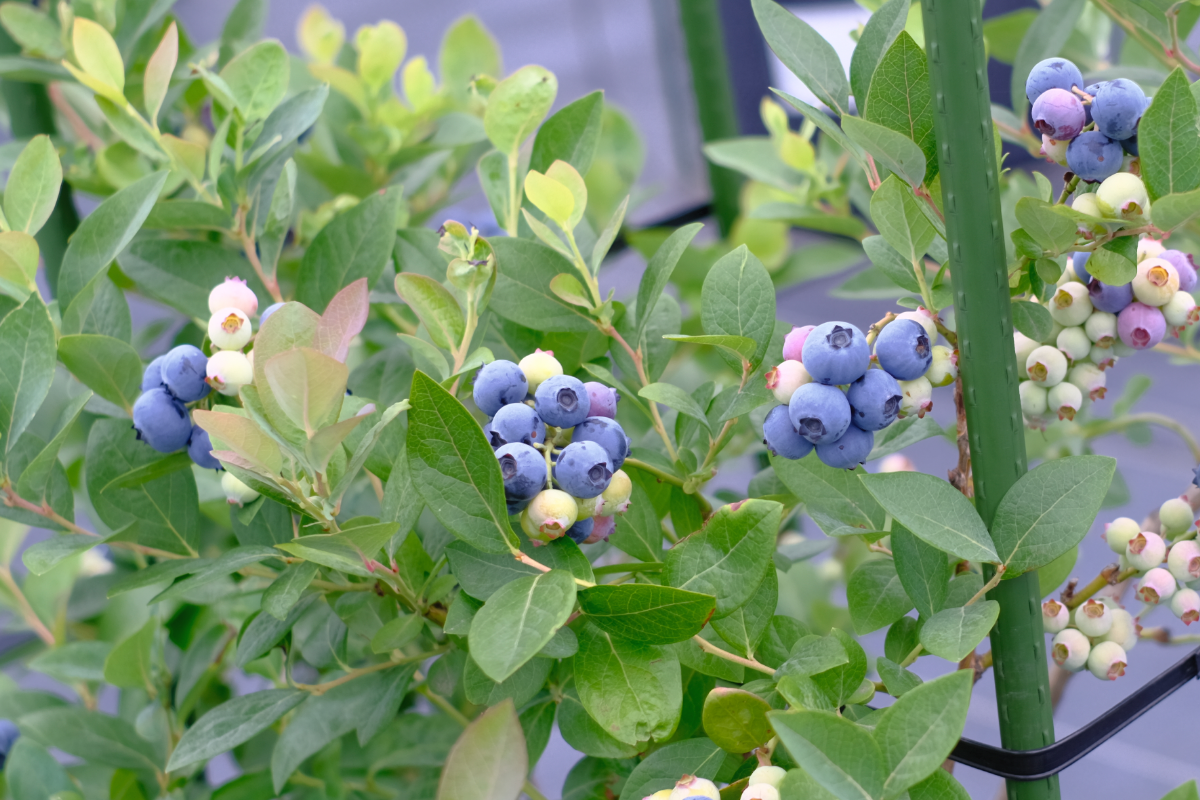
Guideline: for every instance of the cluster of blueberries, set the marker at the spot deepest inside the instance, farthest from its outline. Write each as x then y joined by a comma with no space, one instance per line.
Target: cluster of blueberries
559,446
1098,634
185,375
834,400
1095,324
763,784
1088,129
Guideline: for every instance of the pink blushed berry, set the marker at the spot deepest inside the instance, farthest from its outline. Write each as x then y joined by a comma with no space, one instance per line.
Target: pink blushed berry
1093,618
793,343
786,378
233,293
1186,605
1070,649
1146,551
1107,661
1184,560
1055,616
1141,326
1156,586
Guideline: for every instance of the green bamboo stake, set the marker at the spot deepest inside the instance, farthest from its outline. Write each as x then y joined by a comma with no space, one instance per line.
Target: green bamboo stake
701,21
987,361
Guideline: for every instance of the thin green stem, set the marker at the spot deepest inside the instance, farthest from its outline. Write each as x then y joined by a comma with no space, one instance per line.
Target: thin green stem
581,265
444,704
643,566
1068,189
923,284
1102,427
712,649
514,195
662,475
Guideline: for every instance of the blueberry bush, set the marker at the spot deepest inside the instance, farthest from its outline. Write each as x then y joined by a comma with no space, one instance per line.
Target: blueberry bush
371,500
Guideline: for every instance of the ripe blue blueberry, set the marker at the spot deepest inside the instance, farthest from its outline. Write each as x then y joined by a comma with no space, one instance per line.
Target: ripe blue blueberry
161,421
904,350
200,449
152,377
607,433
268,311
836,353
184,369
523,469
1112,299
1090,89
1051,73
603,399
874,399
516,422
1093,156
1117,108
820,413
781,438
1130,145
581,530
498,384
1079,265
1184,265
9,733
562,401
849,451
583,469
1058,114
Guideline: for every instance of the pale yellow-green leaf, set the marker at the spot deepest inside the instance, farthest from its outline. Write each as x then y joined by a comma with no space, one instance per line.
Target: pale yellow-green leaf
518,105
320,35
381,50
186,156
550,197
343,81
98,54
420,88
159,69
32,188
568,176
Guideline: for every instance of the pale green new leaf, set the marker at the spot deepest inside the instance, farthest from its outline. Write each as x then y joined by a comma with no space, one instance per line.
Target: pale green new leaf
519,620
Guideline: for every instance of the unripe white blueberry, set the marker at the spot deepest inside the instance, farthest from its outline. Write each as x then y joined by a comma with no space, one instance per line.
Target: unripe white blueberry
229,329
1089,378
786,378
1184,560
897,462
1086,204
1070,649
1146,551
616,496
1156,586
1175,516
236,492
233,292
1065,400
1101,328
1156,282
1103,357
691,786
924,319
1070,305
538,366
1055,150
549,515
1074,342
1124,630
943,369
770,775
917,397
1149,248
1123,196
1055,616
1119,532
1046,366
1024,346
662,794
1093,618
228,371
1186,605
1180,310
589,506
1107,661
1034,399
760,791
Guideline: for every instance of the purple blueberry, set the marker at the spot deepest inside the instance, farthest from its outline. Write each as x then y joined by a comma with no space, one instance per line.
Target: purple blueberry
9,733
516,422
1058,114
498,384
1093,156
603,399
581,530
583,469
161,421
1117,108
524,471
875,399
781,437
200,449
1112,299
904,350
1183,264
1079,264
184,369
562,401
820,413
1141,326
152,377
836,353
1051,73
849,451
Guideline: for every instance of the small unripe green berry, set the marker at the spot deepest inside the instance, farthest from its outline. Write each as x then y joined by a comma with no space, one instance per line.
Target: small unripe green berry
616,496
229,329
1156,282
1046,366
1122,196
549,515
1146,551
1074,342
228,371
236,492
1176,516
691,786
1101,328
1119,532
943,369
1107,661
770,775
1024,346
760,791
1034,399
1124,630
1093,618
1089,378
1186,605
538,366
1064,399
1070,305
1184,560
916,397
1055,616
1156,586
1070,649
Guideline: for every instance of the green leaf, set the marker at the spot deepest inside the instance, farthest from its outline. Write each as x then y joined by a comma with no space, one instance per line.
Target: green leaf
468,50
92,736
842,682
757,158
638,531
517,106
583,733
1045,38
1032,319
812,655
897,214
659,270
941,785
233,722
835,498
284,593
604,241
397,633
489,760
955,632
900,98
265,631
1051,576
483,574
309,387
32,188
100,308
736,541
159,69
257,79
896,679
567,287
645,612
917,732
227,563
38,35
157,574
631,688
1168,139
738,299
935,512
519,620
876,596
181,273
676,398
73,661
1049,510
738,346
901,434
522,294
662,768
1109,265
825,123
1186,791
570,135
32,773
26,366
744,628
803,51
109,367
1054,232
128,666
104,233
42,557
455,470
924,570
356,244
97,53
876,38
839,754
893,150
521,687
285,125
736,719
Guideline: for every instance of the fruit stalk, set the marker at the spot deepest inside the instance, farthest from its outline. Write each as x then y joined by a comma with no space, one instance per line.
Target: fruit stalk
987,361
